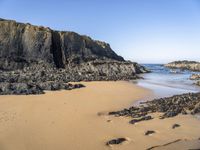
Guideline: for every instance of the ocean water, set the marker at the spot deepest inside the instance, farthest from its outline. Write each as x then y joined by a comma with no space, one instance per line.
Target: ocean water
167,82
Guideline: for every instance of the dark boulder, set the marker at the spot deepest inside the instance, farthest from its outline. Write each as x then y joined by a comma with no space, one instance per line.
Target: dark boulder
116,141
175,126
149,132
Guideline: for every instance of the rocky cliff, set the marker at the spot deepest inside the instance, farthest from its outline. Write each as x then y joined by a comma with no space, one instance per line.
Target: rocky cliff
21,44
34,55
185,65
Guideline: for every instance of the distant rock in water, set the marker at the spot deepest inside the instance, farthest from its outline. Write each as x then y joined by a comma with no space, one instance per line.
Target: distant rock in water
187,65
195,77
184,65
35,54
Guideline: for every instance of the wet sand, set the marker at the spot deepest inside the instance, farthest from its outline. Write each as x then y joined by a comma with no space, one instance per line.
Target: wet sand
77,120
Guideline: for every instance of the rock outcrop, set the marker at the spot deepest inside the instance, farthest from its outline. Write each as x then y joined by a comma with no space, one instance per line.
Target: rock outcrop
168,107
34,54
184,65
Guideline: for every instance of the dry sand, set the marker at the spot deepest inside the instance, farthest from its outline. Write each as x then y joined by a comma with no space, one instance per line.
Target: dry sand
76,120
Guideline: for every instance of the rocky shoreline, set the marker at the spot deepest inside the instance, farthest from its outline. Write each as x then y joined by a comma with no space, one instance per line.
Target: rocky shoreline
41,76
34,56
169,107
35,88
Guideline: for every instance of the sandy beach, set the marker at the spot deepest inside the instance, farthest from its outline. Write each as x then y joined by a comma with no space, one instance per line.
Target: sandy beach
99,75
77,120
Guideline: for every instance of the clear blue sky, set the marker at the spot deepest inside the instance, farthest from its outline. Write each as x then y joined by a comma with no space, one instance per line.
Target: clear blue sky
147,31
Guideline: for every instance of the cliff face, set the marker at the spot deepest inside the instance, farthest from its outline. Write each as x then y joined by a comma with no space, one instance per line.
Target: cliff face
20,44
33,59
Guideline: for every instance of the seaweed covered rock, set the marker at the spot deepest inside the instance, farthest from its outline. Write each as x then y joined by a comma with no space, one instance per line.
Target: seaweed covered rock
168,107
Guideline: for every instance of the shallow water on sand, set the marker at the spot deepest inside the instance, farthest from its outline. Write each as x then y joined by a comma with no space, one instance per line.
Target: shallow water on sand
166,82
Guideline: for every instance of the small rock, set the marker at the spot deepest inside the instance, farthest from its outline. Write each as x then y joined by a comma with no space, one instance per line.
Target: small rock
195,77
149,132
116,141
175,126
141,119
